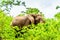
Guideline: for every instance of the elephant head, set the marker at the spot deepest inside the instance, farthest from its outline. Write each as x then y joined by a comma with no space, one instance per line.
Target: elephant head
37,18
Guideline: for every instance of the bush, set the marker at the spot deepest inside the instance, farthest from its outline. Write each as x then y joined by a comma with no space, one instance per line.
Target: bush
48,31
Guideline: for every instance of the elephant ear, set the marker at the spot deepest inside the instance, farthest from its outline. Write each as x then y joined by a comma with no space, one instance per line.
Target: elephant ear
31,18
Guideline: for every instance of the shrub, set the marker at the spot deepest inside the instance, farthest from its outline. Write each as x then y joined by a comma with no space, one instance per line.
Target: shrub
48,31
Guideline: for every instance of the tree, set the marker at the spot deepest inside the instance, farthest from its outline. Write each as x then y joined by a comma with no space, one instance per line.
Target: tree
8,4
32,10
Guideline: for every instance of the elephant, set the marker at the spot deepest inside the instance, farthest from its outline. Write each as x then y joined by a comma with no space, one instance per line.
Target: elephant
21,21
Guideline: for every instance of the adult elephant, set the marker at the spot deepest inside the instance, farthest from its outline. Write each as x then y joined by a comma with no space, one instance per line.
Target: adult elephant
21,21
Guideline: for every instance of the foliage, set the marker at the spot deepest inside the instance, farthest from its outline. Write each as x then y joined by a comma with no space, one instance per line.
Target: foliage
5,30
8,4
57,7
57,15
21,14
32,10
50,30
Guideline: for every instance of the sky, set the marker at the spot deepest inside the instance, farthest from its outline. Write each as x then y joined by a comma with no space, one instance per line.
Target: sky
48,7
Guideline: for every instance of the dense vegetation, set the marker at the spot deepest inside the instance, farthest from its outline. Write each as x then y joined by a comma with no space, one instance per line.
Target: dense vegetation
48,31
